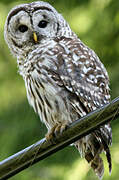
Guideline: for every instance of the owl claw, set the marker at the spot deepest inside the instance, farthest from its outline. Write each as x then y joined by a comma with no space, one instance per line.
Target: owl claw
63,128
50,135
58,129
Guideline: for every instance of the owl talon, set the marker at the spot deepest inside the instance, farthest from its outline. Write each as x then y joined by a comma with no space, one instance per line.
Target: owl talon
58,129
63,128
49,136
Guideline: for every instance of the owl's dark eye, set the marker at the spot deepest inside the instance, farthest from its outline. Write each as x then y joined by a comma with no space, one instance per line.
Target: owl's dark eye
23,28
42,24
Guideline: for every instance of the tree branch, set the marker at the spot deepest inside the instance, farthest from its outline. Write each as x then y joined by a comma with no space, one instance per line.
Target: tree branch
42,149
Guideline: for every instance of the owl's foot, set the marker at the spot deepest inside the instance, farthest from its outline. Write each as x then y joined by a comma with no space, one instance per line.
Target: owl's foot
56,130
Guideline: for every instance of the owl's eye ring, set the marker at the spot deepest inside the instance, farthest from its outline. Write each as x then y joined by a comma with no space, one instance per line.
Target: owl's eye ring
42,24
23,28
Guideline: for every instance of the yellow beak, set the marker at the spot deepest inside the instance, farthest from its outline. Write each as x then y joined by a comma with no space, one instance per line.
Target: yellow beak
35,37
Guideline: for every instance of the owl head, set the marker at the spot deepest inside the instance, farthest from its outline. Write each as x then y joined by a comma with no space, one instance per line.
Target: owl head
28,25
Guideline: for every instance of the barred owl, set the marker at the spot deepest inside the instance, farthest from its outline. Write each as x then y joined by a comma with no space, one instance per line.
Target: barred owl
64,78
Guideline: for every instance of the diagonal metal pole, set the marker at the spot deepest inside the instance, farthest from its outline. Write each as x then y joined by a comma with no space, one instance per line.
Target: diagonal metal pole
42,149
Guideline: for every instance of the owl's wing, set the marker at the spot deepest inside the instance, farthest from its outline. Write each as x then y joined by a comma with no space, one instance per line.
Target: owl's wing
84,75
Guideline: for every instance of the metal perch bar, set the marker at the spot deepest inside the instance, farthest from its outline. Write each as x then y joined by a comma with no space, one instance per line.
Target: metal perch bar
42,149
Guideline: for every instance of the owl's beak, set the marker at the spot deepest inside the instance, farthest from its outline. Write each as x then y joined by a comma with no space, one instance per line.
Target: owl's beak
35,37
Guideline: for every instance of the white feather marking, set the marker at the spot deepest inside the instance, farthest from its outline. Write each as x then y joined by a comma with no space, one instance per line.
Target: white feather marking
75,57
83,56
85,70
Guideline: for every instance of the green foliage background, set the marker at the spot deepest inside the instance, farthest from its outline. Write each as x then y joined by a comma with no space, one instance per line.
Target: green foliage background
97,24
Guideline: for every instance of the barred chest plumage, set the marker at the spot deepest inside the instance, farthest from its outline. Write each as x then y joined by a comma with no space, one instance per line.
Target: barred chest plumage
48,100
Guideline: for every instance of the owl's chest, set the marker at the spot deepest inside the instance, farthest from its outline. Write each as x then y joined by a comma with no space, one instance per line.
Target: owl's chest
46,100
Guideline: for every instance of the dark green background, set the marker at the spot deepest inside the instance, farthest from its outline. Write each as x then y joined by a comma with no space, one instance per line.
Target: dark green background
96,22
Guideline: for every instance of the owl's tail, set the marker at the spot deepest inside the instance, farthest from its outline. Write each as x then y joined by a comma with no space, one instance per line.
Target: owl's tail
90,148
96,163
